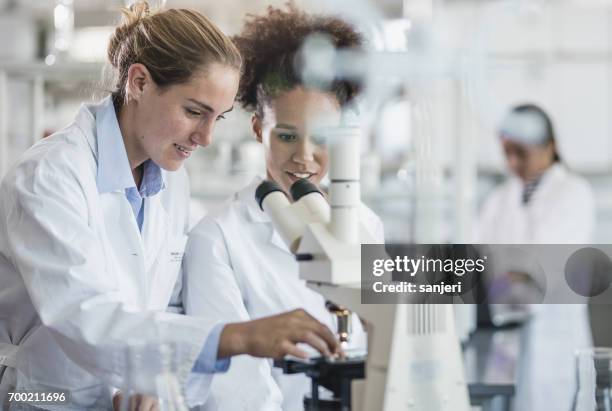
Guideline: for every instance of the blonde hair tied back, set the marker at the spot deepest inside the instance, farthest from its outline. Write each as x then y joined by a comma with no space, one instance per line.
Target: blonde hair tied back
131,16
172,44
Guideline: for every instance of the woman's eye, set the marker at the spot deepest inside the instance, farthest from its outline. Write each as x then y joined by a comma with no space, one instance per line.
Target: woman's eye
287,137
193,112
221,118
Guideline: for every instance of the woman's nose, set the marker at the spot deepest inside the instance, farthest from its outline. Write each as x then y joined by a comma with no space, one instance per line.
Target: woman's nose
204,133
304,152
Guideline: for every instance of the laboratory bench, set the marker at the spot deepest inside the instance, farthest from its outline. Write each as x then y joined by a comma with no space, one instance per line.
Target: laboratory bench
531,367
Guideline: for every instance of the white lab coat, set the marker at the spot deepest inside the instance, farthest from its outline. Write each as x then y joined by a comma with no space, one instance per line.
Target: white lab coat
561,211
78,280
237,267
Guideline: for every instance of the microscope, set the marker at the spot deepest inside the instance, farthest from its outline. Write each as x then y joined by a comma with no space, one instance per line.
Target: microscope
414,356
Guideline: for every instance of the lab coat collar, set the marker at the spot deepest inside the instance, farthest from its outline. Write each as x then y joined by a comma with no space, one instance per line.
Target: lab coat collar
247,196
86,122
256,215
114,172
556,172
99,121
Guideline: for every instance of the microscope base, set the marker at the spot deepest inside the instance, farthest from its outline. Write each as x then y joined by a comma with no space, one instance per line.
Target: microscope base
335,375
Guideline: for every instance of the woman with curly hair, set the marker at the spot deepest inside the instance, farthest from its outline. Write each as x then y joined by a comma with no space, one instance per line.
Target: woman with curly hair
236,265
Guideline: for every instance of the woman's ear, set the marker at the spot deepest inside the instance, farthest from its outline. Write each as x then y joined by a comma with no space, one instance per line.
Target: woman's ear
257,127
138,78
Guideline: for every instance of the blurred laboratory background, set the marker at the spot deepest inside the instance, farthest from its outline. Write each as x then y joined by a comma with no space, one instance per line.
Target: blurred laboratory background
439,77
431,152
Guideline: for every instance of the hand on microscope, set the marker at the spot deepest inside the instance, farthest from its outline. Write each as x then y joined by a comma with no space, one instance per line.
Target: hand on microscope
277,336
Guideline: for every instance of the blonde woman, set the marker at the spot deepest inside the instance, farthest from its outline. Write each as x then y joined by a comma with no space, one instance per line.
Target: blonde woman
93,222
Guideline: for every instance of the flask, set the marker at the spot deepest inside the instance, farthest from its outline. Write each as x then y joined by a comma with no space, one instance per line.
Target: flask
593,382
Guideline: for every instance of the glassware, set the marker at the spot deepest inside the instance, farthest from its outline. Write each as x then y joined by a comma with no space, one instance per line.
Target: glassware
169,390
593,379
153,365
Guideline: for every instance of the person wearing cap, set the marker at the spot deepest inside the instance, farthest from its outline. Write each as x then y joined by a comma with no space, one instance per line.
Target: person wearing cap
543,202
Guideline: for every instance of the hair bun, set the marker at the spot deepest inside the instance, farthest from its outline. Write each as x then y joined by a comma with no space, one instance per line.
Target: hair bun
137,11
131,16
173,45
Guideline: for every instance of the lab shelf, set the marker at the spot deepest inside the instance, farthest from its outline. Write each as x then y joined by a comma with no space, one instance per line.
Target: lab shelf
61,71
40,75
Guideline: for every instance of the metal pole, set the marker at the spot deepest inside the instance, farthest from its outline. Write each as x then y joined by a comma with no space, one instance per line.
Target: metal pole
428,216
315,395
464,170
345,399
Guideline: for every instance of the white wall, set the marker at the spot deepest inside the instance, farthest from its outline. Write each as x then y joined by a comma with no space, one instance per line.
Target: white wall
559,57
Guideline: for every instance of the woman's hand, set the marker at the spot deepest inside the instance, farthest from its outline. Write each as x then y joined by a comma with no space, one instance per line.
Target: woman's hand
277,336
137,402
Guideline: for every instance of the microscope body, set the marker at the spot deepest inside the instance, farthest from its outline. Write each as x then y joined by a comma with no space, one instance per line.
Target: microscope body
414,361
414,356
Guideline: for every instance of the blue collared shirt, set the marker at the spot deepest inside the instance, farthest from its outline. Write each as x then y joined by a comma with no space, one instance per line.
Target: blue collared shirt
115,173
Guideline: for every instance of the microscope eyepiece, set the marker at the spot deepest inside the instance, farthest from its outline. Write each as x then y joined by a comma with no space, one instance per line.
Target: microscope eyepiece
265,188
301,188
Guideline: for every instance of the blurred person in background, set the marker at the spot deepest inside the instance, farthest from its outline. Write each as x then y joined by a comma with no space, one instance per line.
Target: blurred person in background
542,202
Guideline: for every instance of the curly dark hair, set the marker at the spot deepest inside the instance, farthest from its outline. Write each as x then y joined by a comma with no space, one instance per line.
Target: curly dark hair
269,45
